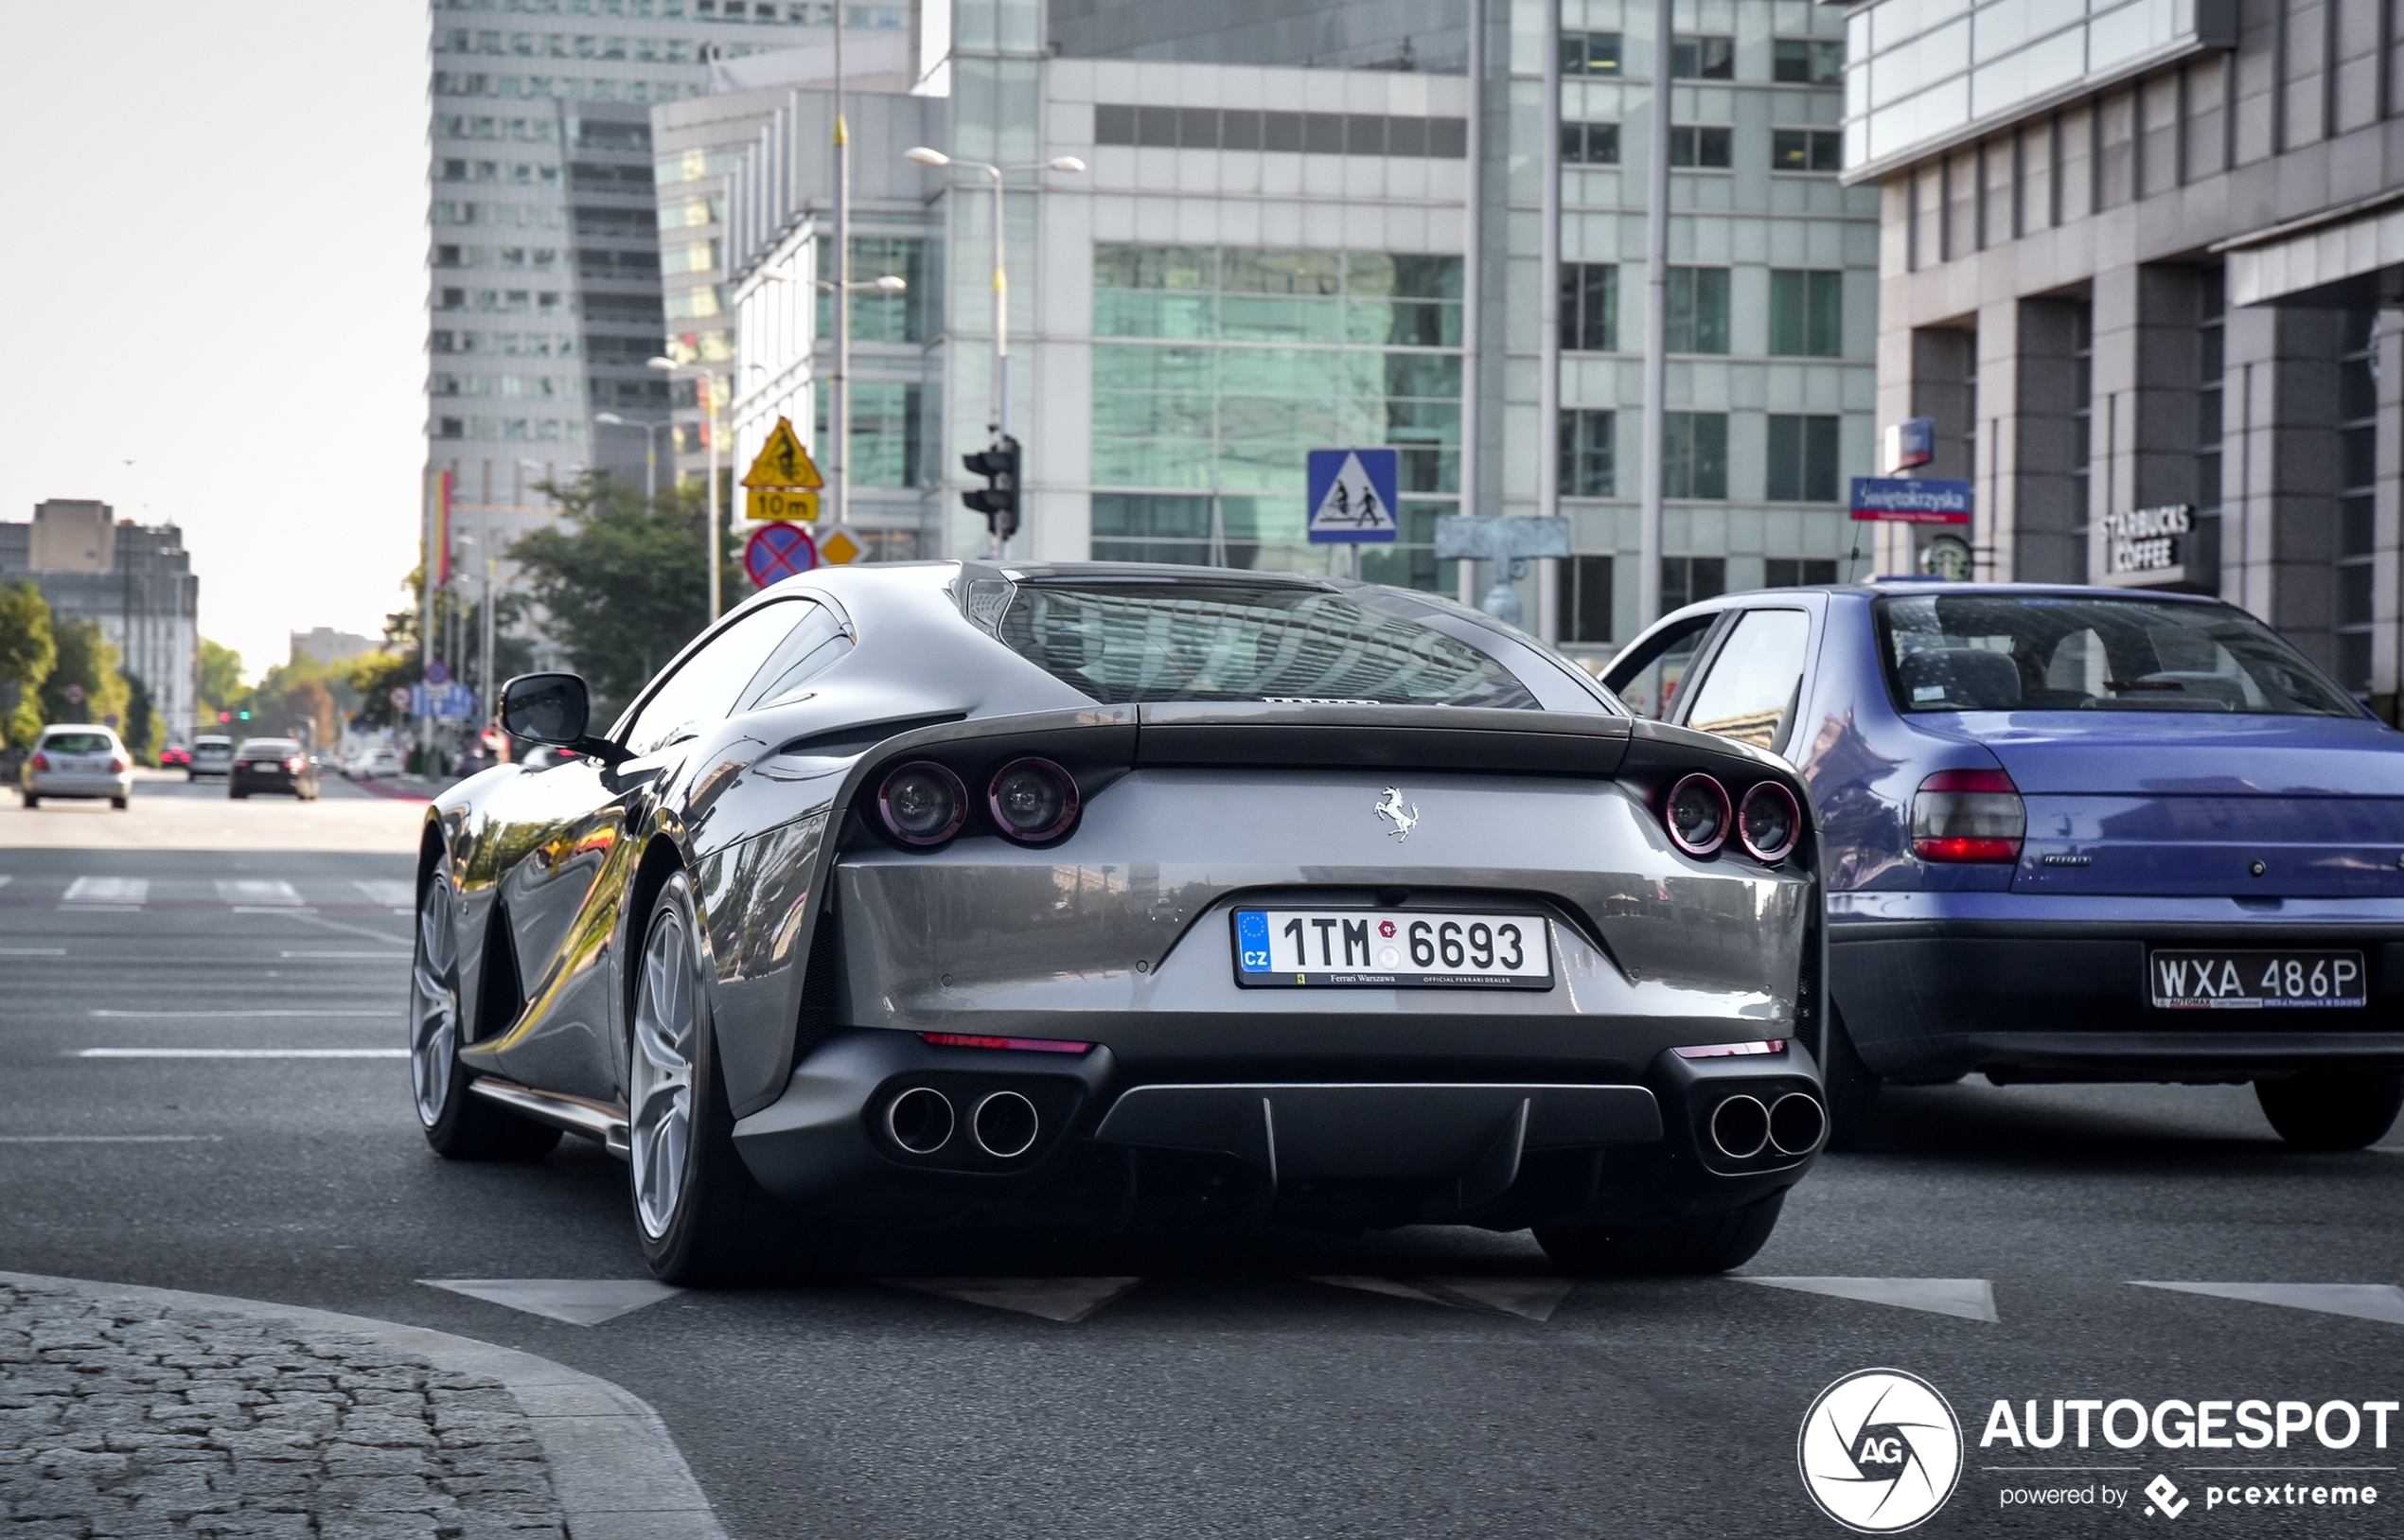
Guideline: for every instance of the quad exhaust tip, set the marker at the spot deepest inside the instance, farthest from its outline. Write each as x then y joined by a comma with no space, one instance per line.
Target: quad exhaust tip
1740,1126
1005,1124
920,1119
1796,1122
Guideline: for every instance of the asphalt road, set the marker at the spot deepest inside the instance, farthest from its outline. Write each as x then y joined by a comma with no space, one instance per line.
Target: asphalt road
1225,1394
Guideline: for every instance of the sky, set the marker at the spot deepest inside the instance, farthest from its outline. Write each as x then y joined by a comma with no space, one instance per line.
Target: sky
216,271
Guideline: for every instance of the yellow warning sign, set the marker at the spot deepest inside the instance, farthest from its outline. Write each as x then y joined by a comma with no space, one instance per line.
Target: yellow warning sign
779,503
837,549
783,464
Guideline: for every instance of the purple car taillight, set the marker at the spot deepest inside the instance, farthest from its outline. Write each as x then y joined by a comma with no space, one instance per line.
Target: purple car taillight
1968,815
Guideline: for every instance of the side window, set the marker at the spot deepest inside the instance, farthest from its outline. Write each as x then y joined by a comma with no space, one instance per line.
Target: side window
1749,692
704,687
1648,680
808,647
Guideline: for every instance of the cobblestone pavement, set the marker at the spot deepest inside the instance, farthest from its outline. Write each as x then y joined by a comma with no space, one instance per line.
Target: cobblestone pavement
124,1418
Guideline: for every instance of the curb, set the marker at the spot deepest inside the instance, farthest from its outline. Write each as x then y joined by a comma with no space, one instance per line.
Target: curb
613,1467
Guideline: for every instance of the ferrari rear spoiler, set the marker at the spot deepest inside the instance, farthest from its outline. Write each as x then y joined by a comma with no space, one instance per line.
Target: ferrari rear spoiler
1380,737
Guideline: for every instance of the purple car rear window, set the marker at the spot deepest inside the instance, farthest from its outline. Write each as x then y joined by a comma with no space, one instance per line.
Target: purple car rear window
2074,652
1146,642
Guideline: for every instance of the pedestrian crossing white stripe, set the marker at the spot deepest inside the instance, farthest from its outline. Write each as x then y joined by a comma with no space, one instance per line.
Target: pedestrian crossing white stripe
242,1052
109,890
256,890
32,952
2382,1302
1971,1299
1064,1300
110,1138
235,1016
350,957
399,895
579,1302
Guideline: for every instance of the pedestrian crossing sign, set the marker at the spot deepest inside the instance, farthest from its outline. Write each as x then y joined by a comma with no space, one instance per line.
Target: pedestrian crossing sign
1352,496
783,464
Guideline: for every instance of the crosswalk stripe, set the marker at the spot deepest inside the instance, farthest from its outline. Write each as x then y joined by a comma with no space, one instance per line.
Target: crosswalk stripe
1971,1299
578,1301
2382,1302
108,890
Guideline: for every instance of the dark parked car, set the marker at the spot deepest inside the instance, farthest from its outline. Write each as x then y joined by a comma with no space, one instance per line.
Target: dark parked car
279,765
2074,833
944,894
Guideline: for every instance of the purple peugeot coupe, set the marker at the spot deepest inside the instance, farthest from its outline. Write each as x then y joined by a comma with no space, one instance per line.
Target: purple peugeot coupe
2072,834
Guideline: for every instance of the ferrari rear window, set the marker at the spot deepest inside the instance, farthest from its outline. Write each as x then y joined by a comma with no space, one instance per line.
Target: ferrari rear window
2068,652
1137,642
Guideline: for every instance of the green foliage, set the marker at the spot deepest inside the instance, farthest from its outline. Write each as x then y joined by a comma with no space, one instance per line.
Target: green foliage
373,676
27,653
221,685
85,658
144,730
625,585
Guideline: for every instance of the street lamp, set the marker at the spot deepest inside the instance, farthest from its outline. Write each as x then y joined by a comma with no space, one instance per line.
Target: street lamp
651,449
707,380
922,155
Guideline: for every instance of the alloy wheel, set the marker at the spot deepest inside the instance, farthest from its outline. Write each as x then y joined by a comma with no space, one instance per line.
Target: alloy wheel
662,1073
433,1005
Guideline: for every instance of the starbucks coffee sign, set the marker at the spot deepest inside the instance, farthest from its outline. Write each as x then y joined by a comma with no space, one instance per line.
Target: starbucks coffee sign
2147,545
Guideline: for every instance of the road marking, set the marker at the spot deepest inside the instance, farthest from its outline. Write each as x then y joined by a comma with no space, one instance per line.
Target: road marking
320,920
256,891
234,1015
1971,1299
239,1054
2382,1302
343,957
108,890
1064,1300
110,1138
579,1302
402,896
32,952
1531,1299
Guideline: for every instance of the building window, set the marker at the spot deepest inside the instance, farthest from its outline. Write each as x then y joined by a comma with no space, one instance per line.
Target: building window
1798,571
2082,401
1591,54
453,428
1330,133
1708,148
1133,526
1807,149
1686,580
1584,590
888,434
1697,309
878,316
1587,455
1590,144
1701,58
1694,455
1802,466
2357,401
2204,546
1807,313
1807,61
1590,306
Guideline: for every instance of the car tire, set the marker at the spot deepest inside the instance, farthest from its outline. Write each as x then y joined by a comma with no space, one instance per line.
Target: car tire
1851,1085
31,801
2331,1109
238,796
1710,1243
459,1126
701,1216
117,803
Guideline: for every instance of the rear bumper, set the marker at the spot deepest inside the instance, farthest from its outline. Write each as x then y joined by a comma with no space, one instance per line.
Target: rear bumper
51,784
266,781
1114,1147
1934,999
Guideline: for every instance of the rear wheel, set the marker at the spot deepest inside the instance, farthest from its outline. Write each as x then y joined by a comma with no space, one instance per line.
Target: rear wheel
459,1126
31,801
117,803
2331,1109
700,1214
1710,1243
1851,1085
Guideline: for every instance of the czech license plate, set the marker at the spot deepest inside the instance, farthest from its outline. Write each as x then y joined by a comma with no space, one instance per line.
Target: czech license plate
1395,948
2254,980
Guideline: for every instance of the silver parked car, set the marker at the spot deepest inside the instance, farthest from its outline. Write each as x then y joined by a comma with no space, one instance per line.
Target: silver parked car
212,754
78,761
943,893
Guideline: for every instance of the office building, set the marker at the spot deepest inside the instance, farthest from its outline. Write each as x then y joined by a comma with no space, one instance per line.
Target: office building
1261,260
2140,262
135,580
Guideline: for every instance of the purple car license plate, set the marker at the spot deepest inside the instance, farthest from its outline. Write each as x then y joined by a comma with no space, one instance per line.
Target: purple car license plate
2257,979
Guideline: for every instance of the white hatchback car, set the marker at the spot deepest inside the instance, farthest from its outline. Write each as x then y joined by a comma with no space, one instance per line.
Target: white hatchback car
77,761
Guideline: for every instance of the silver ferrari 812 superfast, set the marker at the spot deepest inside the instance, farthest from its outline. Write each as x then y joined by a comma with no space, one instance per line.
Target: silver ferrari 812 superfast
1145,897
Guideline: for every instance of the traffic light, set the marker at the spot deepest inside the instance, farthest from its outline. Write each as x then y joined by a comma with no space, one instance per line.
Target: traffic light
999,499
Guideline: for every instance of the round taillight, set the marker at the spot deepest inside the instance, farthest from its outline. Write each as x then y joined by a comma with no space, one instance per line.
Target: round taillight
1767,820
1697,815
922,804
1032,801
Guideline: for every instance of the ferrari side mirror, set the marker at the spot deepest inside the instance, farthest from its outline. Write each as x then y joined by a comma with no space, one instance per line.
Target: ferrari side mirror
548,708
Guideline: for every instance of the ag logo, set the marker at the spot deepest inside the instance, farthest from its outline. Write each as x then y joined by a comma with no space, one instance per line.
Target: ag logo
1880,1451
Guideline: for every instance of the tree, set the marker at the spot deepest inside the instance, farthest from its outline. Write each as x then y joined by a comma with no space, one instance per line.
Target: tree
221,685
27,653
375,676
625,585
145,730
85,658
